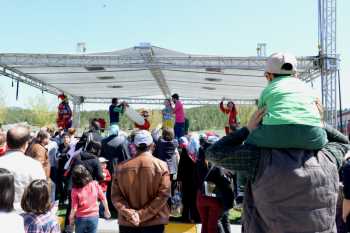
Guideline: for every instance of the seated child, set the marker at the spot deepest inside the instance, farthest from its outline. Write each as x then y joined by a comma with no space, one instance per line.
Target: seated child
38,216
293,114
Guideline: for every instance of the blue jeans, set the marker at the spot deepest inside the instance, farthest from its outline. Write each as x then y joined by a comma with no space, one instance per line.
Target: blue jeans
179,130
86,224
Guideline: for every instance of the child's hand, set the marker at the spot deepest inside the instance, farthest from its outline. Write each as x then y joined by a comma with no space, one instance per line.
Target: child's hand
71,220
107,214
255,119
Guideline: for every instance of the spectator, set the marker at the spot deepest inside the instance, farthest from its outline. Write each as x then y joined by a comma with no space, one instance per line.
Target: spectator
52,149
105,182
178,110
24,168
9,220
38,150
36,203
89,160
185,178
213,205
115,110
115,148
62,158
142,206
3,146
312,181
166,151
85,194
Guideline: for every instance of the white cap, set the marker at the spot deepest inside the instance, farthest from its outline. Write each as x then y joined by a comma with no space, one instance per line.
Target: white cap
277,60
143,137
102,160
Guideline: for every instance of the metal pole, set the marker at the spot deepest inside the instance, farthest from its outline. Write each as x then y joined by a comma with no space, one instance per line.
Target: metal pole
340,106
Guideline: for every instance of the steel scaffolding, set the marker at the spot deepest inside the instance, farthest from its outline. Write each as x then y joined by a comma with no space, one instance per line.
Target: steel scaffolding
329,59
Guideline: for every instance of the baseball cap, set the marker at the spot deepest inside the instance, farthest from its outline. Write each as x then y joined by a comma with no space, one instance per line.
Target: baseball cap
277,60
102,160
114,129
143,137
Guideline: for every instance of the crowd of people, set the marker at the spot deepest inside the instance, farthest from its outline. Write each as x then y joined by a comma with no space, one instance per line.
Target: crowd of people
283,165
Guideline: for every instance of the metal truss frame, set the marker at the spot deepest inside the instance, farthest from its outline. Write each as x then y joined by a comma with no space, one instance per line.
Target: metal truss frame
329,58
160,101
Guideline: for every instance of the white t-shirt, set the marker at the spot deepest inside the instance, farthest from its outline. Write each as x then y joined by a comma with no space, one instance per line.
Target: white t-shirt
24,169
11,222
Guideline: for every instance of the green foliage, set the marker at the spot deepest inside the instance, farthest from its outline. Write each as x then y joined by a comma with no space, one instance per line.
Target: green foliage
3,109
41,114
201,118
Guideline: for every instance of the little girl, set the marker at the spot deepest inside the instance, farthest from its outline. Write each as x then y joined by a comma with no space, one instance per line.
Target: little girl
38,216
9,220
167,114
85,195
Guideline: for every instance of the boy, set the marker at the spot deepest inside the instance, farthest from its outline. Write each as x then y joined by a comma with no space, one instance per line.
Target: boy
293,113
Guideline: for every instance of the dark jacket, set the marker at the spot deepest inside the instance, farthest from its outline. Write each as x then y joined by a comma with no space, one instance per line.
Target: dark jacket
115,150
222,178
114,115
91,163
165,150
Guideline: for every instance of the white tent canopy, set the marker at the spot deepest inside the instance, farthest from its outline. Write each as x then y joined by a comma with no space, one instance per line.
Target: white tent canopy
145,73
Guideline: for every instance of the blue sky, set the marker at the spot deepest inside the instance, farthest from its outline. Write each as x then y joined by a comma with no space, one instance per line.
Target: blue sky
222,27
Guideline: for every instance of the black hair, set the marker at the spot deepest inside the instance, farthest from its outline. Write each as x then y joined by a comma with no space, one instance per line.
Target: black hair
142,148
175,96
17,137
7,190
287,66
114,100
36,197
95,125
80,176
94,147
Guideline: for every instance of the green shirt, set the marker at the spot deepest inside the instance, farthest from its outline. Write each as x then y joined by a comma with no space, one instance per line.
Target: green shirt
289,100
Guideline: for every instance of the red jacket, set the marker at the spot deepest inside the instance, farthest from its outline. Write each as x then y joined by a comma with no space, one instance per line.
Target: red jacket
3,150
232,115
106,180
145,126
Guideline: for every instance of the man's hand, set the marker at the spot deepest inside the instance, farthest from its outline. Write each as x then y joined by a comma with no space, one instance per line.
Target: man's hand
135,219
255,119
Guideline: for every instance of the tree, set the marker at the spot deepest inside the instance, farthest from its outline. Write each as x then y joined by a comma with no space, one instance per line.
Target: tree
3,108
41,113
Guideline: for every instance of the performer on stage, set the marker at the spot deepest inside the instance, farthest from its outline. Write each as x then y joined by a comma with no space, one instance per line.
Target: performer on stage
64,113
231,112
146,125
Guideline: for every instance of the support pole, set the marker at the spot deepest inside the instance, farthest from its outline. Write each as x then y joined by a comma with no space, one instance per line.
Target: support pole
76,114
